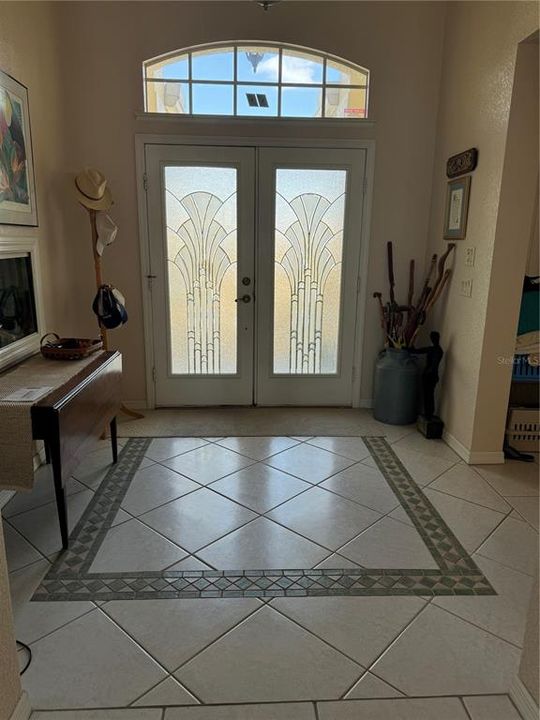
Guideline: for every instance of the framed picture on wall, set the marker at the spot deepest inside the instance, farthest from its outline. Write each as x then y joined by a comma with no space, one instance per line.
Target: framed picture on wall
457,208
17,185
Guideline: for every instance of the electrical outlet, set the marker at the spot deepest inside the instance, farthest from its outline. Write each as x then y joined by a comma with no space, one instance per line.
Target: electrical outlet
470,255
466,288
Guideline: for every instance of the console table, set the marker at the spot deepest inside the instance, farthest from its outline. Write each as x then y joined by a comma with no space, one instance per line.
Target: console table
72,418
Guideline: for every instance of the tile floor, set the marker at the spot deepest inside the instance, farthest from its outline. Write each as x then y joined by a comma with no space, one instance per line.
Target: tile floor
267,502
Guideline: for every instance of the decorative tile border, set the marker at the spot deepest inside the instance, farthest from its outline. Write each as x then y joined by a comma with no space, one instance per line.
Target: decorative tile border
70,577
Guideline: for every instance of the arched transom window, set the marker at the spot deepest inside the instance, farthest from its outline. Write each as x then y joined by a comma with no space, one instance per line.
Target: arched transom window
256,80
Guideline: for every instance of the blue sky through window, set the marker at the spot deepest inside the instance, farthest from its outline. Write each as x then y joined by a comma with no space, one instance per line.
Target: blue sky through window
255,64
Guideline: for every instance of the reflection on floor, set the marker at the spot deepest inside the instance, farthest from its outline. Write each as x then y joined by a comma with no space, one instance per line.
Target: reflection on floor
280,658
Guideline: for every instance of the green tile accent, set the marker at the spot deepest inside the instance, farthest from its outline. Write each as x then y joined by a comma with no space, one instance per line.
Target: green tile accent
70,577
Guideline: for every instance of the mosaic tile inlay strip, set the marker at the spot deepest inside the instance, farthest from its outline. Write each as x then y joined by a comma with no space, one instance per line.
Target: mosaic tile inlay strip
70,577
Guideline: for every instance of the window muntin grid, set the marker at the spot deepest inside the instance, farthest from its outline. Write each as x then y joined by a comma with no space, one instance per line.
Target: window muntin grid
300,82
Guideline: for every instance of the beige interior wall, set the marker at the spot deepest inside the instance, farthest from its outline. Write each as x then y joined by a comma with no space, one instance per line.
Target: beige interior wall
517,205
533,260
29,52
104,45
476,89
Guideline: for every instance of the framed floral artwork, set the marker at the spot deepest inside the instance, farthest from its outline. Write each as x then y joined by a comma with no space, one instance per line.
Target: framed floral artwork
457,208
17,185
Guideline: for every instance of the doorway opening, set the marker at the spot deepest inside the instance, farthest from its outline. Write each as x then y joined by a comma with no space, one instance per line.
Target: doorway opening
254,263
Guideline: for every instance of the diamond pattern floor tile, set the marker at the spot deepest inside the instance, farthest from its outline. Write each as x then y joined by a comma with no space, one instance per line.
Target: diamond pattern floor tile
40,525
470,523
94,467
198,519
153,486
515,544
257,448
19,552
360,627
34,620
364,485
309,463
464,482
389,544
265,658
260,487
208,463
165,448
134,547
168,692
526,509
90,647
370,686
350,447
503,614
263,544
41,494
512,478
439,654
173,631
424,468
324,517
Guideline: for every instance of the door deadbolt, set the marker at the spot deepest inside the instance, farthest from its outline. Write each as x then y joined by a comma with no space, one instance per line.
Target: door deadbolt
246,281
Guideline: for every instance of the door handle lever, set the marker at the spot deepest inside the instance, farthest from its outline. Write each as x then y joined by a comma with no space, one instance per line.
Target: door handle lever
245,299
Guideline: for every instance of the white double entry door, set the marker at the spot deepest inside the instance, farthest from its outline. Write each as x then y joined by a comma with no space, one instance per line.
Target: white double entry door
254,258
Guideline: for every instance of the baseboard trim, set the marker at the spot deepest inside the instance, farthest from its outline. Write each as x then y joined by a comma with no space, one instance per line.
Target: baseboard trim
472,458
23,709
523,700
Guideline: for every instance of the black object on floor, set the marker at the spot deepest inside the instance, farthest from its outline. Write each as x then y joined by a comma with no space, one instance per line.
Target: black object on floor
431,428
512,454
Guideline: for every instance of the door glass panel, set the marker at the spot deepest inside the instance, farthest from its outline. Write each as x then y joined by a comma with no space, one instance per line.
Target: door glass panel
308,251
201,212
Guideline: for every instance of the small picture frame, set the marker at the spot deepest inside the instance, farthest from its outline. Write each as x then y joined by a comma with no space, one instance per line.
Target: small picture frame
17,186
457,208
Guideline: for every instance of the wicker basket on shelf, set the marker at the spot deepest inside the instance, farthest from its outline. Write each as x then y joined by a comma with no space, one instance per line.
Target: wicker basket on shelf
68,348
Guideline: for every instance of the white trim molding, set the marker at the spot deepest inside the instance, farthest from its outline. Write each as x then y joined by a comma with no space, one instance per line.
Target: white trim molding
23,709
523,700
471,457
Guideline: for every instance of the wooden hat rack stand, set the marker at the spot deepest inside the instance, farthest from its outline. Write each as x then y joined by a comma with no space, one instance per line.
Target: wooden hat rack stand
92,214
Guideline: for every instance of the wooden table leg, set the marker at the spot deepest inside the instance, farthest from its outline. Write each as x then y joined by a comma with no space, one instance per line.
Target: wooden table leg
56,461
114,440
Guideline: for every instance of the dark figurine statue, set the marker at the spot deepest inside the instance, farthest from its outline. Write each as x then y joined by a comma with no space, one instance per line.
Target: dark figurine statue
430,376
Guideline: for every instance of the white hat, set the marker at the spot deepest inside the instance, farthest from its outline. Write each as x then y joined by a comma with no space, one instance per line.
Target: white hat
106,231
92,191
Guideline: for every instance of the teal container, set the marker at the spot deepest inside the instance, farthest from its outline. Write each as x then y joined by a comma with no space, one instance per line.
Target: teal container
397,387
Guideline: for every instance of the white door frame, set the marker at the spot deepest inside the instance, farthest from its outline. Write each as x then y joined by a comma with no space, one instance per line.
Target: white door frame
143,139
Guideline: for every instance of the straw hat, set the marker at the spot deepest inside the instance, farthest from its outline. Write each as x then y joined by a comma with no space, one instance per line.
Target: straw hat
92,191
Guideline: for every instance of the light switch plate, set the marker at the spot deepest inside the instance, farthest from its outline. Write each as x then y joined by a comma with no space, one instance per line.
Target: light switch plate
466,288
470,256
